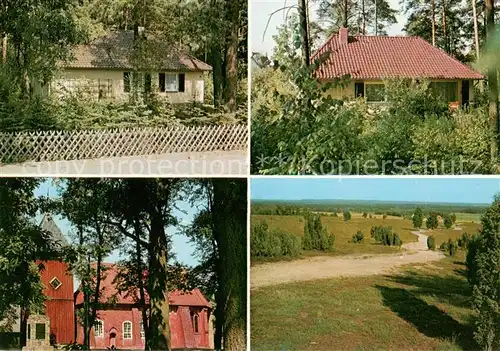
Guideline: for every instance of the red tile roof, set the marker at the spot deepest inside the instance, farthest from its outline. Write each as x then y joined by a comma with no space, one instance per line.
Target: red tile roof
379,57
110,292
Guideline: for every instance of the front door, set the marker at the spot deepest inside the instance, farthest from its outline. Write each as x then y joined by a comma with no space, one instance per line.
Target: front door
465,92
112,340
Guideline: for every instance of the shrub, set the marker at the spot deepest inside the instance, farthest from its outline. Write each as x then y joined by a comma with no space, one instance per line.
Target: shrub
264,243
432,221
447,221
385,236
451,247
347,216
418,218
384,216
358,237
315,235
290,243
463,241
365,214
431,243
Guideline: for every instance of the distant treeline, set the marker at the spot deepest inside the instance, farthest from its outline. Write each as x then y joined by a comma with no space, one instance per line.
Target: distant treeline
391,209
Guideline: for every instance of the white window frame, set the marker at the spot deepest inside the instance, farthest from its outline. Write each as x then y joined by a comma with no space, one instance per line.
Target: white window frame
143,334
123,330
176,75
101,324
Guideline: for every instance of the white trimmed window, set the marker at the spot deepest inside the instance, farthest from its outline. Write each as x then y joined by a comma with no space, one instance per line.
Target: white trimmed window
172,82
142,330
127,330
99,328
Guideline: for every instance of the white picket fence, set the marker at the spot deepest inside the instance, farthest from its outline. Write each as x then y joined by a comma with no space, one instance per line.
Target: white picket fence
93,144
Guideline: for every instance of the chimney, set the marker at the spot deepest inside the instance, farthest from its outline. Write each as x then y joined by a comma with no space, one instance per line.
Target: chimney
343,35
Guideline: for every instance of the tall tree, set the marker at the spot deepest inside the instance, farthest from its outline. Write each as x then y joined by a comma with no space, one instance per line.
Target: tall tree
492,81
485,279
229,211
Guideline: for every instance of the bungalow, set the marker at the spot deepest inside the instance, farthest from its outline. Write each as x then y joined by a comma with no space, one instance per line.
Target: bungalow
105,66
369,60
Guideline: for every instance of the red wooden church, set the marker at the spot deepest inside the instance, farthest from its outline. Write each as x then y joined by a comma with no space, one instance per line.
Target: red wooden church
58,282
120,323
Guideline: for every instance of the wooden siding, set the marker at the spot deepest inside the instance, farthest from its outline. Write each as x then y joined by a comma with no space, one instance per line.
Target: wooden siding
60,304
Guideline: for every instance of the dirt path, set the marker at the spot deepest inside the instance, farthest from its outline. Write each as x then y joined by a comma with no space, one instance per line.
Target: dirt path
347,266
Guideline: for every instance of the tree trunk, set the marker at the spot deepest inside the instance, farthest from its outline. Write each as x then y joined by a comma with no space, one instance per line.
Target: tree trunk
492,82
376,17
234,7
433,21
140,279
159,325
306,52
445,34
476,30
363,15
230,218
4,49
97,291
346,14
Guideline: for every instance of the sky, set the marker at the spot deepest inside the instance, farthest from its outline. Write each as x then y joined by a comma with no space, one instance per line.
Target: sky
181,245
261,9
448,190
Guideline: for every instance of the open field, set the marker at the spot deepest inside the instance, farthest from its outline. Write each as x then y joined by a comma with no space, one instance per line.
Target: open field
344,230
419,307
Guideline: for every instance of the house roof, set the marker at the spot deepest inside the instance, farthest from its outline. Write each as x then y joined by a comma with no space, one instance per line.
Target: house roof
115,51
380,57
110,293
47,224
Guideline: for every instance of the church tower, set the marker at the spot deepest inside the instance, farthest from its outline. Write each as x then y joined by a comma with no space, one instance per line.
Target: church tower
58,282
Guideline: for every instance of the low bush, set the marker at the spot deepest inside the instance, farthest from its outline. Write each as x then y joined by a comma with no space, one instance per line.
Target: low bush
449,247
385,236
347,216
316,236
431,243
463,241
358,237
265,243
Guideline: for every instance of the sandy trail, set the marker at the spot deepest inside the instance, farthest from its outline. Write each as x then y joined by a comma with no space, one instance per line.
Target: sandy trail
347,266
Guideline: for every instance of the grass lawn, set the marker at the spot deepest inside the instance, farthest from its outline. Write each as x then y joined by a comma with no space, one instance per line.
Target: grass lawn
345,230
422,307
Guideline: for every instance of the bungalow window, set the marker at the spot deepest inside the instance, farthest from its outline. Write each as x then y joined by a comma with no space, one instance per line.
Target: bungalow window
127,330
375,92
172,82
447,90
99,329
359,89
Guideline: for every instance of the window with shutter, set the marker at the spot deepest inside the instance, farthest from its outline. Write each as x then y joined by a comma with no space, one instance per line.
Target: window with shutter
182,82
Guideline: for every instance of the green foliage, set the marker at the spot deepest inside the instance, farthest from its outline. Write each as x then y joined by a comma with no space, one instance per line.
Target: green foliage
413,132
385,236
450,247
418,218
316,236
358,237
265,243
431,243
365,215
472,250
464,240
347,216
483,263
432,221
447,221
